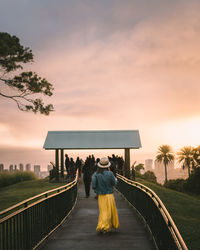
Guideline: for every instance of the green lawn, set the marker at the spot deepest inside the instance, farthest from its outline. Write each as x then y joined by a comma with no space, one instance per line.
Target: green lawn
184,210
15,193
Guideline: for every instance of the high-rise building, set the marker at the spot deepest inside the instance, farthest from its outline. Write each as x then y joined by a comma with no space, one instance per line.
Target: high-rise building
148,165
21,167
1,167
172,172
11,168
28,167
37,170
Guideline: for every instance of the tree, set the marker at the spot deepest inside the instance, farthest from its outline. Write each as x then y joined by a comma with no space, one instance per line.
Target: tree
20,87
139,167
196,157
186,158
166,156
193,182
150,176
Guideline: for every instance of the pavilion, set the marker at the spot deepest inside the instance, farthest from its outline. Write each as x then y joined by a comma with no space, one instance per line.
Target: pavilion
91,139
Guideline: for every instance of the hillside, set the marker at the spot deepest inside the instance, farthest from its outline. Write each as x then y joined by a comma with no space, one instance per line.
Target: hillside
184,210
15,193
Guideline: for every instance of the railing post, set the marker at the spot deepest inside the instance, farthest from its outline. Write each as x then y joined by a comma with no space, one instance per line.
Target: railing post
62,163
57,163
127,163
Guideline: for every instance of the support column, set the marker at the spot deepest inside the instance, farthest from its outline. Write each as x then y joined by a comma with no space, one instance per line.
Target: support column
62,163
57,163
127,163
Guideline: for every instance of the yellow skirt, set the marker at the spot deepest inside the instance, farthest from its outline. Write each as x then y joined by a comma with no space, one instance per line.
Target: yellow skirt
108,217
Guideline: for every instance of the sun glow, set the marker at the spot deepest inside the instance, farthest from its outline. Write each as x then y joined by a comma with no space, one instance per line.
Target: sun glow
182,132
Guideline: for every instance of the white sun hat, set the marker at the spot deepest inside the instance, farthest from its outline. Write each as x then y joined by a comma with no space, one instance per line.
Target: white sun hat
104,163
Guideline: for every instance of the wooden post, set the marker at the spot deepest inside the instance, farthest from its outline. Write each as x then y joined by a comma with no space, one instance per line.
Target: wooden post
62,163
127,163
57,164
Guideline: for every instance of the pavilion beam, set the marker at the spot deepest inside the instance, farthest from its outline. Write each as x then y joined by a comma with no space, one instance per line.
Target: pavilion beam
127,162
62,163
57,163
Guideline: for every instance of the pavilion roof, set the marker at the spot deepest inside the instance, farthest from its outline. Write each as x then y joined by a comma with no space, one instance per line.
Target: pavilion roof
92,139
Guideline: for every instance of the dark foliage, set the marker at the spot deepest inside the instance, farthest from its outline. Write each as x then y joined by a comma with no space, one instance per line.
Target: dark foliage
149,176
193,182
177,184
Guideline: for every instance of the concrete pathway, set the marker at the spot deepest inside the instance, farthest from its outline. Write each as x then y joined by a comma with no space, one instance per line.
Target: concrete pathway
78,232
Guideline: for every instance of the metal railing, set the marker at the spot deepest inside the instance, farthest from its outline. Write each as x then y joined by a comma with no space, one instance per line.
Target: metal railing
150,207
27,224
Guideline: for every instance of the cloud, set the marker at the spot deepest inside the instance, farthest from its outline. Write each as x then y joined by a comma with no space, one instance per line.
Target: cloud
116,64
149,65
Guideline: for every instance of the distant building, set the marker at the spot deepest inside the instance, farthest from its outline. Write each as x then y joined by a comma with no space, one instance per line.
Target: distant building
37,170
172,172
1,167
148,165
21,167
28,167
44,174
11,168
180,173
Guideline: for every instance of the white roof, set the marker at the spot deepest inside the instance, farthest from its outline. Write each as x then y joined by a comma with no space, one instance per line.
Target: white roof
93,139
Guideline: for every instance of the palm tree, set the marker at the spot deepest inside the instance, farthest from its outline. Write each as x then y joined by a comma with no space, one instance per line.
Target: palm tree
186,157
166,156
196,157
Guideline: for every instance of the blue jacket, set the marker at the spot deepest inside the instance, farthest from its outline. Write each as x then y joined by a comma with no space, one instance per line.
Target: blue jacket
103,183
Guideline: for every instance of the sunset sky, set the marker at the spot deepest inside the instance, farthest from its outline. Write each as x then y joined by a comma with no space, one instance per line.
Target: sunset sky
117,64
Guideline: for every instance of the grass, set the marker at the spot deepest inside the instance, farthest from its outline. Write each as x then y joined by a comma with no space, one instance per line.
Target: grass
184,210
8,178
13,194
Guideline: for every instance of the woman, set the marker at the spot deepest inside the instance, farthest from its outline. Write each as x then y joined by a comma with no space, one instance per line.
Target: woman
103,181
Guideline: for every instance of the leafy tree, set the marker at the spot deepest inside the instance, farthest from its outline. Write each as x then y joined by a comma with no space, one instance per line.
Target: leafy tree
165,155
186,158
139,167
150,176
21,88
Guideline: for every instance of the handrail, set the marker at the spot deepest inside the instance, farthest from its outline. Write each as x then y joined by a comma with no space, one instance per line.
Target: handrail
25,204
27,224
169,221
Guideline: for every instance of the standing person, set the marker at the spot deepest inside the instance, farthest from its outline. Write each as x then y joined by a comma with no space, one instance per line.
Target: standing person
102,182
67,164
72,168
133,173
87,176
78,166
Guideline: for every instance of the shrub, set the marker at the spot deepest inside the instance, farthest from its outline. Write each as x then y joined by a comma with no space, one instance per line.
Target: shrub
138,175
9,178
149,176
177,184
193,182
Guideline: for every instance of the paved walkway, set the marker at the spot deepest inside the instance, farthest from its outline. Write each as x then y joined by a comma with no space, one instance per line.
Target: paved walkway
78,232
